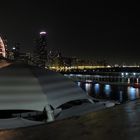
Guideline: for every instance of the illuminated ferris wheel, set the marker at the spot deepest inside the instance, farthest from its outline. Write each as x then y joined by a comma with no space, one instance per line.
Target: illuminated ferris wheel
2,48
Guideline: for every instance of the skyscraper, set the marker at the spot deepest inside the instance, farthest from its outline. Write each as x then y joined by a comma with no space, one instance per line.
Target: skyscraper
43,45
41,49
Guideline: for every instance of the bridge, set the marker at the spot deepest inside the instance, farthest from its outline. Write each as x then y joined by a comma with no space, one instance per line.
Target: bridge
121,76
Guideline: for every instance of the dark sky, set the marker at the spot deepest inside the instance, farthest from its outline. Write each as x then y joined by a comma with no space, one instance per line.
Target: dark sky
97,30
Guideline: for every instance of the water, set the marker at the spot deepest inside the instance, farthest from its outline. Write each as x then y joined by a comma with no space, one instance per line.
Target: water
119,93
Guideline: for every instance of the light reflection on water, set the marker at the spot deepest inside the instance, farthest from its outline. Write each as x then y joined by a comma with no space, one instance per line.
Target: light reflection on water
121,96
88,87
133,93
79,84
97,88
114,92
107,90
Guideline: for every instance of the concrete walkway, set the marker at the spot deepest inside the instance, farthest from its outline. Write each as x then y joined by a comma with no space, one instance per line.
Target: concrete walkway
118,123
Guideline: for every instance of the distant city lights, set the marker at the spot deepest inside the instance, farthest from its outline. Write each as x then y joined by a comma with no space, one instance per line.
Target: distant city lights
126,73
13,48
134,73
122,74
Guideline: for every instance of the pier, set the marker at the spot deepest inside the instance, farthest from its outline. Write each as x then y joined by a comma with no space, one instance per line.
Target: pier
127,76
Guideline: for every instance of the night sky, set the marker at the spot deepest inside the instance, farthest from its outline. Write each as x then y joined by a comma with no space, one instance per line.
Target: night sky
98,30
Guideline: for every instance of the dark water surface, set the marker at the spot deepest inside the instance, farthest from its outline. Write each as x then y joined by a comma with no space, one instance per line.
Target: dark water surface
119,93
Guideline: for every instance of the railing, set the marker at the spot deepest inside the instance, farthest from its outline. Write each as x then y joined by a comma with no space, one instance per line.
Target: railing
128,79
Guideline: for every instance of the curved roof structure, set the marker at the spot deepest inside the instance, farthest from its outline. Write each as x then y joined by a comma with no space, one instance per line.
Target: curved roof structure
2,48
16,123
24,87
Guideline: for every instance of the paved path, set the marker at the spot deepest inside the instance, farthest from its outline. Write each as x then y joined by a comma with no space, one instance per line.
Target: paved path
119,123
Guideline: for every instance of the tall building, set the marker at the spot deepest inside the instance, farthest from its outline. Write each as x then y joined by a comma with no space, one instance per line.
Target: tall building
2,48
41,50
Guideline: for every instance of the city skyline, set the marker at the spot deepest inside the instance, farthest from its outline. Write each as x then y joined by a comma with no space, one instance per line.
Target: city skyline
97,31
